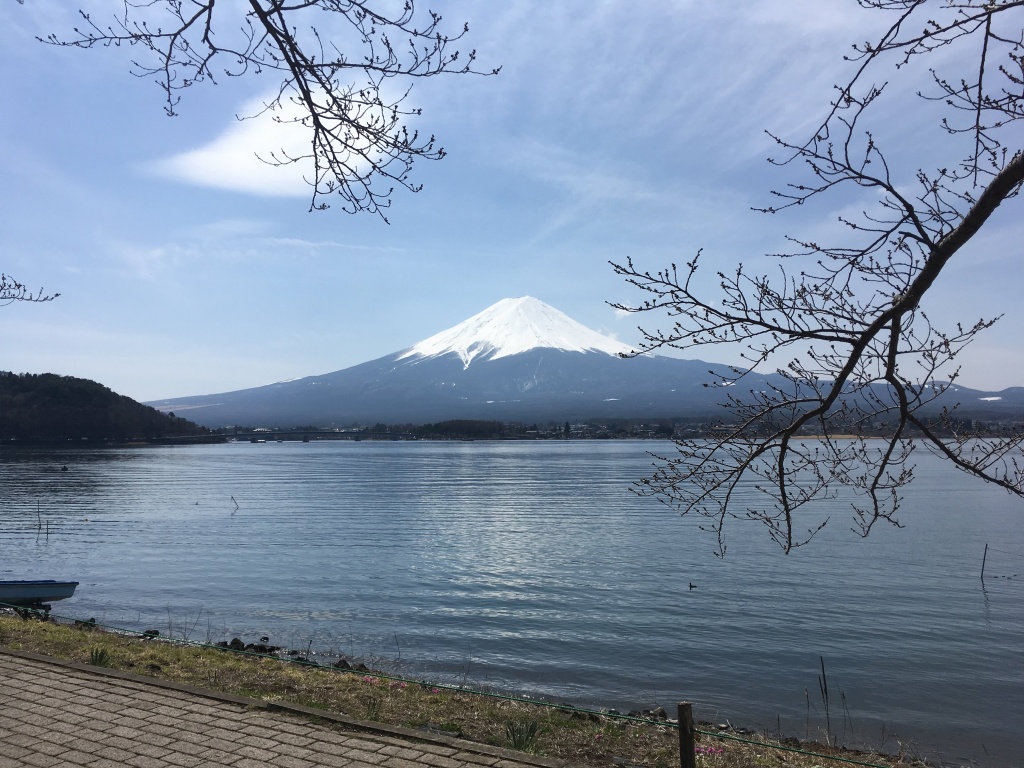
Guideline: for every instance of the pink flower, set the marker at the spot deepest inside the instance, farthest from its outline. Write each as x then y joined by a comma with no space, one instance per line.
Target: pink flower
709,750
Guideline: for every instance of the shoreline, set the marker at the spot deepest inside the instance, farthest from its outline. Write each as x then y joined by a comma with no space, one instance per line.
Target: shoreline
294,663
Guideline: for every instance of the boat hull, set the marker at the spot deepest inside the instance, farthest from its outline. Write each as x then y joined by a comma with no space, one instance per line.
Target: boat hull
35,592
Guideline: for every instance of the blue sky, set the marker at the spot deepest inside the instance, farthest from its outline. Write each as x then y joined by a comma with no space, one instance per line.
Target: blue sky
615,129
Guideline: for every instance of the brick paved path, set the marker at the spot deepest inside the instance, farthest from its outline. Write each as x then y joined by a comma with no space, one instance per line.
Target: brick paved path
64,714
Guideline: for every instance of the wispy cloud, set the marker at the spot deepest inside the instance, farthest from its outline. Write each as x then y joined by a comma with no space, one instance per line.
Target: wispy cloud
152,263
238,159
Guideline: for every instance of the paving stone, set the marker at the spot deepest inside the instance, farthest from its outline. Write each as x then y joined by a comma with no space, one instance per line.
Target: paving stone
362,756
225,734
20,739
291,738
218,757
189,748
113,707
300,752
329,748
220,744
84,694
143,761
58,737
49,748
73,719
165,709
118,742
364,744
59,715
114,753
200,718
34,689
86,742
76,758
398,762
472,757
167,721
393,750
438,749
293,728
132,721
333,761
183,761
78,709
257,742
248,762
255,753
201,708
443,761
192,737
287,761
60,726
124,732
335,737
39,760
38,719
161,729
150,750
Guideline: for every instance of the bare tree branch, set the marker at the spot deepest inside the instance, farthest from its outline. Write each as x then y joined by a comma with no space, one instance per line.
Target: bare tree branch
11,290
860,391
361,144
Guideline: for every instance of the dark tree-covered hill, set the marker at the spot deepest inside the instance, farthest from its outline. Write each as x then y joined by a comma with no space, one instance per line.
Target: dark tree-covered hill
46,407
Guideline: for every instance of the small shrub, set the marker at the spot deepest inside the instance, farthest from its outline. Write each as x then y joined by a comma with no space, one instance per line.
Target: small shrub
99,657
521,734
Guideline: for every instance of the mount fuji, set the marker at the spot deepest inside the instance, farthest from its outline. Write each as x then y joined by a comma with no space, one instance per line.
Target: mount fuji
512,327
518,360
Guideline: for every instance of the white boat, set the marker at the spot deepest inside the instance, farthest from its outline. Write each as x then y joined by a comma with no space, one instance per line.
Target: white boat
35,591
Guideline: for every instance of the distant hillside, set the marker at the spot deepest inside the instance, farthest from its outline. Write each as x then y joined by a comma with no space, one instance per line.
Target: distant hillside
45,407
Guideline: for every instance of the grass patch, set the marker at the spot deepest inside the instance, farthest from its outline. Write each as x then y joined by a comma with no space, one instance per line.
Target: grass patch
581,738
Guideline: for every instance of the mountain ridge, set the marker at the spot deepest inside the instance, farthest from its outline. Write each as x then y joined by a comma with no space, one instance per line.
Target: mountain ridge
518,360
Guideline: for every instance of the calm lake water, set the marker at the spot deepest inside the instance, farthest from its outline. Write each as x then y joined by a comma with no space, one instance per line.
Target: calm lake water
531,567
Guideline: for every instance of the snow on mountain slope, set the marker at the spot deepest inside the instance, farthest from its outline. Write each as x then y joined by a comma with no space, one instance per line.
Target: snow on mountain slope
510,327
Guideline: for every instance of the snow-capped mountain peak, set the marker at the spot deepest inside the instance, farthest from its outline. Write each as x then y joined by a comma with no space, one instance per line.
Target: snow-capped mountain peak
510,327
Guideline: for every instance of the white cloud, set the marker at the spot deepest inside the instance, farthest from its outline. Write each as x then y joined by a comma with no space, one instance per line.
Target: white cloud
236,159
152,263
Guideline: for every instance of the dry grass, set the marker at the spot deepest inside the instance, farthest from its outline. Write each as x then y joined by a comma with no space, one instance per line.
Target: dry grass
579,737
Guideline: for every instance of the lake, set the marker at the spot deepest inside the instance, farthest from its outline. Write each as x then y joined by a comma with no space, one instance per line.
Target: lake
530,567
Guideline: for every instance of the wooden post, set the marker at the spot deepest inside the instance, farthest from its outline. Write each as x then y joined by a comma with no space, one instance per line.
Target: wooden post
984,557
687,755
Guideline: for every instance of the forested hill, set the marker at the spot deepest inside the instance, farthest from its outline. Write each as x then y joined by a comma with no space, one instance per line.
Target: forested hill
45,407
